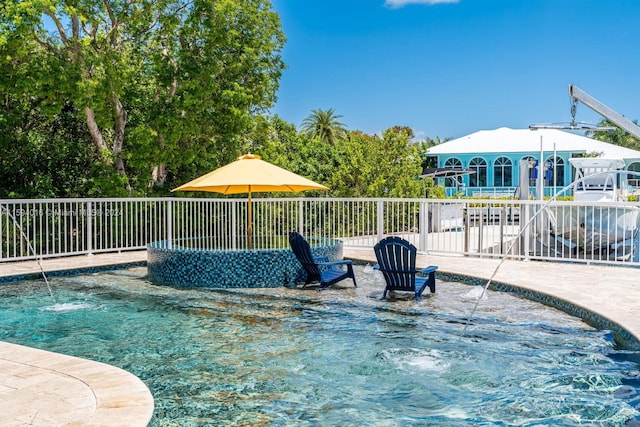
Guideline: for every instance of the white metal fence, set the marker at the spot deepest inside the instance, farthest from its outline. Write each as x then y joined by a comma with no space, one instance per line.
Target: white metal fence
559,231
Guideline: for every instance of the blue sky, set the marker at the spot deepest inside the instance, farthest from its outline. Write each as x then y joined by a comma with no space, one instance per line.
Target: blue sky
447,68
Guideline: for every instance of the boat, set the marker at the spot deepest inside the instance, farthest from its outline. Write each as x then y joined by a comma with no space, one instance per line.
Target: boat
601,224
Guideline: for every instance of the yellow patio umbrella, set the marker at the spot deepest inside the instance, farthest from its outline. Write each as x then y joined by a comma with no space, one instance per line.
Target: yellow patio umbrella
250,174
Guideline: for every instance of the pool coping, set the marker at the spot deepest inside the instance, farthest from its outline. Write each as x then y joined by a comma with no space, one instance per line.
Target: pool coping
42,388
75,271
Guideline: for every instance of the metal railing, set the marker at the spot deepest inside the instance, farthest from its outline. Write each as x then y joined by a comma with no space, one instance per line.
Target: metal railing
499,192
520,229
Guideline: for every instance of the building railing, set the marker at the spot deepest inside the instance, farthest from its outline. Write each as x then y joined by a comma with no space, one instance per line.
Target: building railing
501,192
492,228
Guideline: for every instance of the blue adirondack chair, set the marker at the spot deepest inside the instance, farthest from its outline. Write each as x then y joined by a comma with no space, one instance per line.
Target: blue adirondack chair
397,262
319,269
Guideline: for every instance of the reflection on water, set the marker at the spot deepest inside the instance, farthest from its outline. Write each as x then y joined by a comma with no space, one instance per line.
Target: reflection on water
67,306
293,356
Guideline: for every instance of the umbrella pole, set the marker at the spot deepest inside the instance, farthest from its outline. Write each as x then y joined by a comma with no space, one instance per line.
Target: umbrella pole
250,223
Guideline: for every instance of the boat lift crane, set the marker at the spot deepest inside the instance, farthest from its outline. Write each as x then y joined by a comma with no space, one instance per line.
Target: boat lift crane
579,96
593,228
623,123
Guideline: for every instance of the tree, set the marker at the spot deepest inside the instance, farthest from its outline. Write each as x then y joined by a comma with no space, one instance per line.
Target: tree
162,85
324,124
371,166
280,143
617,137
45,157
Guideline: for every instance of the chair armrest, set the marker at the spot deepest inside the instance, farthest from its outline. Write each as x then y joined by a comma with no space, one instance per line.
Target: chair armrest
332,263
428,270
425,270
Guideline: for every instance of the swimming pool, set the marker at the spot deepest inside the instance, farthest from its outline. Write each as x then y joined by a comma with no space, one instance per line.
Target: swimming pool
284,357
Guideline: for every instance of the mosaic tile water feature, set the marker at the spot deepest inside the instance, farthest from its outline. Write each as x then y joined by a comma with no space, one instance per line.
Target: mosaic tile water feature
177,264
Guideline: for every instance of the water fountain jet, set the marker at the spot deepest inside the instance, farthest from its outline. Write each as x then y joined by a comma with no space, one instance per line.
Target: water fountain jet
31,249
575,184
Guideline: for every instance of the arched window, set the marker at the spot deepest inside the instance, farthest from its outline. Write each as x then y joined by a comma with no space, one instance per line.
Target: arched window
479,178
502,172
554,172
634,180
452,163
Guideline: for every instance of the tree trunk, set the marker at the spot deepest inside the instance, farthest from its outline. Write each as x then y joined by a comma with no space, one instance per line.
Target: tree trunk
158,175
118,139
159,172
94,130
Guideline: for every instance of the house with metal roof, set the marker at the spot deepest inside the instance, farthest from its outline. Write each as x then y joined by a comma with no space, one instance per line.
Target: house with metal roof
495,157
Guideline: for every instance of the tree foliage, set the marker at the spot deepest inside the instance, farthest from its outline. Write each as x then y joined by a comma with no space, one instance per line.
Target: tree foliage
124,97
360,166
280,143
617,137
374,166
51,157
162,86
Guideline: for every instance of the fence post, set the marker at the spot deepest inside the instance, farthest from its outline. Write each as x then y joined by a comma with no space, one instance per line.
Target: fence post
467,229
2,209
234,214
423,226
89,228
481,232
503,224
301,216
169,229
380,220
524,237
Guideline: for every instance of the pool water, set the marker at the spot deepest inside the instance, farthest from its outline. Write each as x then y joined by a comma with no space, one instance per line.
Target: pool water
298,357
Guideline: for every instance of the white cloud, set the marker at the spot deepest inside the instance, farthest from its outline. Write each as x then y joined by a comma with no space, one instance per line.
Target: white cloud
396,4
419,135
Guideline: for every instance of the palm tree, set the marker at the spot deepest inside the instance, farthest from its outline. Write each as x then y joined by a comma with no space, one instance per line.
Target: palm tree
617,137
325,125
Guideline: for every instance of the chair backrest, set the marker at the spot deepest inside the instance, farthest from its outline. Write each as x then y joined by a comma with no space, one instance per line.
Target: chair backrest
302,251
397,262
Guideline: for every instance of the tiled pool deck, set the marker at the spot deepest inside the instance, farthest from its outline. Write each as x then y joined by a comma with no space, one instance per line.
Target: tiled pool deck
46,389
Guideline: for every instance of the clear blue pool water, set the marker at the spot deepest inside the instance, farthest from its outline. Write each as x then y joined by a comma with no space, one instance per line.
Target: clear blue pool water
294,357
